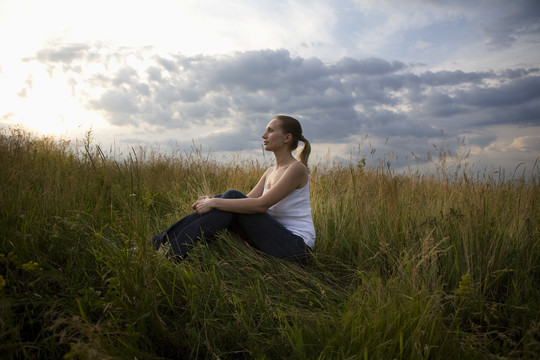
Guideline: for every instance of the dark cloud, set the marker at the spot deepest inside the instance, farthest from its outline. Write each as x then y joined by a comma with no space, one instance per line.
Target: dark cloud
442,105
336,103
445,78
62,53
482,140
511,21
167,64
142,88
154,73
516,92
252,70
370,66
517,73
117,101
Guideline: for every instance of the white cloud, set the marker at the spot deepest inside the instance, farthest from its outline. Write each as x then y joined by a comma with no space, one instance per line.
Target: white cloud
527,143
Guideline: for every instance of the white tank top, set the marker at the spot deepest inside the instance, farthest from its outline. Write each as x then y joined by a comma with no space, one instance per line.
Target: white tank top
294,212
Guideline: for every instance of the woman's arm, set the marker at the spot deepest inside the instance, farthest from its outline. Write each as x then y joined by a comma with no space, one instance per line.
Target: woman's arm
293,178
258,190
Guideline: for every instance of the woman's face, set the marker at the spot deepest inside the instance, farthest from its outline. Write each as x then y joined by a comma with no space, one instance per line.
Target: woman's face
273,137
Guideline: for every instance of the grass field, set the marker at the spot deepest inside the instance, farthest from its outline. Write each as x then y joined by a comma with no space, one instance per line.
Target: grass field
405,266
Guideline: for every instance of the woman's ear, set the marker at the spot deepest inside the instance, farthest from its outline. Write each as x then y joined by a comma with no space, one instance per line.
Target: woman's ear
288,138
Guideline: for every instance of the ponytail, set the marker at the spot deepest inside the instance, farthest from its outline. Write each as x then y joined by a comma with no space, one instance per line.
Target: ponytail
306,150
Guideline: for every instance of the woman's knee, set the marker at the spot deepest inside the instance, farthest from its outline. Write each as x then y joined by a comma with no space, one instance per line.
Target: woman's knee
233,194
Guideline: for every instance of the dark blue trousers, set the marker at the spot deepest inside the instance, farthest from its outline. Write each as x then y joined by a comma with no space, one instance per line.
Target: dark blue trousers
261,231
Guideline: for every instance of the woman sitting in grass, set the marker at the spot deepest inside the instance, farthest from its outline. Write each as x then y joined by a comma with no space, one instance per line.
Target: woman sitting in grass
275,217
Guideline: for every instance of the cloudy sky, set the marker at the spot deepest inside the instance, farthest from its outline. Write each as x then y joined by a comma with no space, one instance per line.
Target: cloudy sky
400,77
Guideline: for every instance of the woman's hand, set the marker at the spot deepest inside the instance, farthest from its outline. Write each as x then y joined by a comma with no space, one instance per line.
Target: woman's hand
203,205
200,198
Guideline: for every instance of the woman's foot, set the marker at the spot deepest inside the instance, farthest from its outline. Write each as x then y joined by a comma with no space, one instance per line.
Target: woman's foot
158,240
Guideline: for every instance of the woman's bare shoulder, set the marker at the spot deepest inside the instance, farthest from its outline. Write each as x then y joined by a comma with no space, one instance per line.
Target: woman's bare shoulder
298,167
299,172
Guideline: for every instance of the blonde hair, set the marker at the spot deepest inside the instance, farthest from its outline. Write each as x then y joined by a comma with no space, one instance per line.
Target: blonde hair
290,125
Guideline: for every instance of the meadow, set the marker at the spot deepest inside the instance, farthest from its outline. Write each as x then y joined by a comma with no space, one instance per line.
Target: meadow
406,266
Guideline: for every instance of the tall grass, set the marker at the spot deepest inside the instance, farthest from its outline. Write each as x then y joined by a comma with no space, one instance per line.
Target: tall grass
405,266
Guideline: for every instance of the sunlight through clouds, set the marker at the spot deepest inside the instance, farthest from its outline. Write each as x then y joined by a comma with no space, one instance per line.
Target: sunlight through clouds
48,107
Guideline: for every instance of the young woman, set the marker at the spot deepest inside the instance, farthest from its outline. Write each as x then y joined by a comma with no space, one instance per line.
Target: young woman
275,217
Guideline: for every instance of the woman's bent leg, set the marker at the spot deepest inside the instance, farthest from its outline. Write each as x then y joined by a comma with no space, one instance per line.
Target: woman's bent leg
206,226
170,232
185,233
268,235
